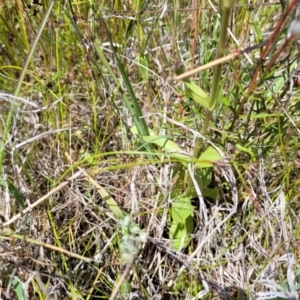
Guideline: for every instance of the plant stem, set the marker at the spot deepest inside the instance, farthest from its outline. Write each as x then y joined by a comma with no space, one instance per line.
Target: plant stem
214,98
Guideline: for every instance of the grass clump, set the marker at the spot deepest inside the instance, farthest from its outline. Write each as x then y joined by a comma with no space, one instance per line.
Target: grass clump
123,179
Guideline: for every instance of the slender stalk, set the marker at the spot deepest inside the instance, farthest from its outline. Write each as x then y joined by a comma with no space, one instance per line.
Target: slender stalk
214,98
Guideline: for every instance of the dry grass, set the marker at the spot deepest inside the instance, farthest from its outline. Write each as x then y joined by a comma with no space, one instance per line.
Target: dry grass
71,169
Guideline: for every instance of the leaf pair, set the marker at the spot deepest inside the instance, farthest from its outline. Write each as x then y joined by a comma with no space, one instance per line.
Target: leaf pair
206,159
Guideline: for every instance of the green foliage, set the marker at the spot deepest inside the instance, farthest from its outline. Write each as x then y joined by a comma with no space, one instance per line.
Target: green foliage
193,91
208,157
14,191
18,287
247,150
143,68
132,103
99,68
182,221
182,210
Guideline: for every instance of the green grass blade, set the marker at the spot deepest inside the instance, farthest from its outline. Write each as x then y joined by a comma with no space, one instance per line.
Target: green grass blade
133,105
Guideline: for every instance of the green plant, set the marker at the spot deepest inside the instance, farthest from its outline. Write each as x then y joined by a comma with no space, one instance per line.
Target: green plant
18,287
208,166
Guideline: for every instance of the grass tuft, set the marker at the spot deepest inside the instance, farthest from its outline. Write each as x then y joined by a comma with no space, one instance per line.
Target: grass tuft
121,179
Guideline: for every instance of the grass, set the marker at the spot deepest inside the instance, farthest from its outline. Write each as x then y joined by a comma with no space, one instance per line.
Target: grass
120,182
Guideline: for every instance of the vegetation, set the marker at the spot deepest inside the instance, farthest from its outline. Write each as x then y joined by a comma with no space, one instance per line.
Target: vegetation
121,178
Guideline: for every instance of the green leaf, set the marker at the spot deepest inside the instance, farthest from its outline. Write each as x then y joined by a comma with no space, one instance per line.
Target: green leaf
278,83
179,181
143,68
14,191
169,147
182,221
112,204
276,86
262,116
226,102
210,193
179,233
247,150
204,177
208,157
137,5
181,208
19,289
193,91
165,144
132,104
